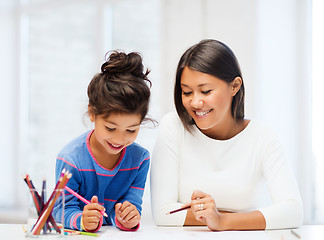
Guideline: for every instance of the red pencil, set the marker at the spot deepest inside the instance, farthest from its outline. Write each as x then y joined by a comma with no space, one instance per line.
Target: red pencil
178,210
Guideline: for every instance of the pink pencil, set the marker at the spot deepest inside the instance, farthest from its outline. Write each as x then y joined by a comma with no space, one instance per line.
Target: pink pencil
82,198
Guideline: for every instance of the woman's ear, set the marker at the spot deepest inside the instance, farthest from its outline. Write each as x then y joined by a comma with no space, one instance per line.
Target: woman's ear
236,85
90,112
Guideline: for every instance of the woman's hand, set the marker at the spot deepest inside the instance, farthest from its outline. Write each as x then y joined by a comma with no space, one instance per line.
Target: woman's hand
91,214
127,214
204,210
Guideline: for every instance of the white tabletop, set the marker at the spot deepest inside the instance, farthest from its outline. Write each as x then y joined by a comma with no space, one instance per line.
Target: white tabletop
152,232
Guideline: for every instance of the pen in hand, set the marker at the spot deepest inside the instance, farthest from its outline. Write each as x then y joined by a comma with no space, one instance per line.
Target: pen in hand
179,209
82,198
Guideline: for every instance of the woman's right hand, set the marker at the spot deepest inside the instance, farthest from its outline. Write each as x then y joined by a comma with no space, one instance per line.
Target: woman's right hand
204,210
92,214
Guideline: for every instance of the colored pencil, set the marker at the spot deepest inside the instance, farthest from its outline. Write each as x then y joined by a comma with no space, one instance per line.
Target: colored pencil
178,210
39,204
81,198
74,232
43,196
50,203
43,199
295,234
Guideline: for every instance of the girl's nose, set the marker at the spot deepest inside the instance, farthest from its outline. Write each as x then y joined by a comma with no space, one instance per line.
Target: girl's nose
119,139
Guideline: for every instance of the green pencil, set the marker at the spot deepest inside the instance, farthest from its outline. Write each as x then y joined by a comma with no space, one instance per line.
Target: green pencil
90,234
74,232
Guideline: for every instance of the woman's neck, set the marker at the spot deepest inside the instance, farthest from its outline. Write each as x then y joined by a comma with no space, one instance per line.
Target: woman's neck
226,130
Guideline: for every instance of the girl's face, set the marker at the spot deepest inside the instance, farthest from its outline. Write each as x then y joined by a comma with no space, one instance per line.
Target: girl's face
206,98
117,131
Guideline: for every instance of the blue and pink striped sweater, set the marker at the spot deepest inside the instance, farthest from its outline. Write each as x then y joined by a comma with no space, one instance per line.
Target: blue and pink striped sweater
125,181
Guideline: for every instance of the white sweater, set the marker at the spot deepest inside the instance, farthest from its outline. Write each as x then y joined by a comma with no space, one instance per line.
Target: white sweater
244,173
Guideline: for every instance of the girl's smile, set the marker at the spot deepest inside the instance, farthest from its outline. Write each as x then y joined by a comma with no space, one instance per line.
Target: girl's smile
112,134
115,147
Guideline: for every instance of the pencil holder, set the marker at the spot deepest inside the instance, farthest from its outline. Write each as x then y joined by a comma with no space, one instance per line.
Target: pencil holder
45,214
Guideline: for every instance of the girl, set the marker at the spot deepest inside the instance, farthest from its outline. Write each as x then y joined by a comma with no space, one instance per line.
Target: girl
212,156
106,165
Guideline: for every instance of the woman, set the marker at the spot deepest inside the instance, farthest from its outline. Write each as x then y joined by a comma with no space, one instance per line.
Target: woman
230,171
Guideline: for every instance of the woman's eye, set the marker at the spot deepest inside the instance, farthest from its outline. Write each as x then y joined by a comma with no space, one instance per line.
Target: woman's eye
131,131
206,92
186,93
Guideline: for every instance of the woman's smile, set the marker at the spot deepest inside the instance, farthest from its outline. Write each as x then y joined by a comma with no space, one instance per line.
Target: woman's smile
202,113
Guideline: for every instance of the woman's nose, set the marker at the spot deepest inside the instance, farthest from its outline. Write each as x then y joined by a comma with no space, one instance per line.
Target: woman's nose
196,102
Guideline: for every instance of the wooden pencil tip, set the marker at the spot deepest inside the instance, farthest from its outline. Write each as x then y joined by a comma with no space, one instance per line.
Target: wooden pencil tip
168,213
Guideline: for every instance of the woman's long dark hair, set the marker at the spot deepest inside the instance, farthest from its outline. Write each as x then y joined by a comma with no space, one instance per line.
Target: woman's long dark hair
214,58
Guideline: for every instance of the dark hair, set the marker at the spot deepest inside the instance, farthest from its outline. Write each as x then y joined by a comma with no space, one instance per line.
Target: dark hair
214,58
121,86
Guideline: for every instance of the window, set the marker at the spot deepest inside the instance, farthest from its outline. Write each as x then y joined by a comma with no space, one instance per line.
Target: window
62,44
318,100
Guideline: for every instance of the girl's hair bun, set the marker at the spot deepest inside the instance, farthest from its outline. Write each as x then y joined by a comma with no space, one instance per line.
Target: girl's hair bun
121,63
121,86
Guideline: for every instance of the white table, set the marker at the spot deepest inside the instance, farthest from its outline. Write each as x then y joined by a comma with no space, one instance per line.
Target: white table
152,232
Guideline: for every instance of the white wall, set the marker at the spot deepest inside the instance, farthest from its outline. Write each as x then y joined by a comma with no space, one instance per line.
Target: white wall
271,40
7,101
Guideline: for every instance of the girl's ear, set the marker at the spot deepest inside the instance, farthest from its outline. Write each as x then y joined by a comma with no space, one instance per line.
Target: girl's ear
236,85
91,115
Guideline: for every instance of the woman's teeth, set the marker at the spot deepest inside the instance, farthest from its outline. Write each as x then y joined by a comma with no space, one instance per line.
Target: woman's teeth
202,113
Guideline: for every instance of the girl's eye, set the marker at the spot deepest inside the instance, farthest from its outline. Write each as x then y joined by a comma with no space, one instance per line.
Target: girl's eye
186,93
131,131
110,129
206,92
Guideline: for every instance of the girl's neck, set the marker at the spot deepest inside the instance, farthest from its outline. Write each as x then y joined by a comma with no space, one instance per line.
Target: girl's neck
104,158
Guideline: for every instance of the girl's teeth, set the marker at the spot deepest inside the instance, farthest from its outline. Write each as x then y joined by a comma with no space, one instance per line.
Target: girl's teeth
116,146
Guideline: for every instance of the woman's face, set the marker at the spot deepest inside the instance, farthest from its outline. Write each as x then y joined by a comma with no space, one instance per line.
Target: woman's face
206,98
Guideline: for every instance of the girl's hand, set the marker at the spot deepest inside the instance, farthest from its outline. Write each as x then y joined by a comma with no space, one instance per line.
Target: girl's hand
127,214
204,209
91,214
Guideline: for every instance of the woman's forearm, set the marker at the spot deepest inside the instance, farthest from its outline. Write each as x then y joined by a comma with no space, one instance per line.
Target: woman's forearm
233,221
191,220
244,221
